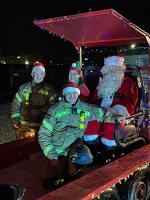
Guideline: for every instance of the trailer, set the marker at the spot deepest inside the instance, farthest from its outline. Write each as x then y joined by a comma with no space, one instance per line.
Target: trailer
125,174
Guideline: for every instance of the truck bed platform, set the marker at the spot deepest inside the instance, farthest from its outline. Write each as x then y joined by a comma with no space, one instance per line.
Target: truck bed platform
29,170
96,182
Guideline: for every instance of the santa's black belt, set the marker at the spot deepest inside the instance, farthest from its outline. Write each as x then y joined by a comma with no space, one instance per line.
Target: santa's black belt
118,95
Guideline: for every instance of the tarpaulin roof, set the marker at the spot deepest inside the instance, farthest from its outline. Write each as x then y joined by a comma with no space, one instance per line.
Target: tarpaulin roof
97,28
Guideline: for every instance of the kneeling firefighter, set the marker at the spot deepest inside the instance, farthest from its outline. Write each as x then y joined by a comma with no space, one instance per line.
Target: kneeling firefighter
60,135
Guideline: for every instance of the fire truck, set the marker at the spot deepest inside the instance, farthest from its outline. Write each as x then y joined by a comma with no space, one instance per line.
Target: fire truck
125,173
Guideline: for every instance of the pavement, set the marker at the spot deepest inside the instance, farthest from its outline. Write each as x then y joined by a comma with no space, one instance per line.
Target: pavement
7,132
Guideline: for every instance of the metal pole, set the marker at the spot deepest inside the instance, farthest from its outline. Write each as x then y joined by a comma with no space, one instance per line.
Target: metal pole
80,56
149,94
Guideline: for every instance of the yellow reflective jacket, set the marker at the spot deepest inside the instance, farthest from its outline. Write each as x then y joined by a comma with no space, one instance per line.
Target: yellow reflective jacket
31,103
64,123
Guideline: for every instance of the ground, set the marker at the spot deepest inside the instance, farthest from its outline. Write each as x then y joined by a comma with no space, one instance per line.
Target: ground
7,132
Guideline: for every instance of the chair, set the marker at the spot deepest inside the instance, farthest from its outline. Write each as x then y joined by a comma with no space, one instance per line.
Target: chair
132,131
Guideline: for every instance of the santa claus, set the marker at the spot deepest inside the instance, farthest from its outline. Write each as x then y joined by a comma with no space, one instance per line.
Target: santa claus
118,94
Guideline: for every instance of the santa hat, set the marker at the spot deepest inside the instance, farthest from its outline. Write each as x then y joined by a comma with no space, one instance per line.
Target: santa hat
38,66
71,87
76,67
114,60
113,63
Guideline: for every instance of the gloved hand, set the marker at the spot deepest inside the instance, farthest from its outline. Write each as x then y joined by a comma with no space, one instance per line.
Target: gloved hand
16,123
121,119
52,155
82,155
121,110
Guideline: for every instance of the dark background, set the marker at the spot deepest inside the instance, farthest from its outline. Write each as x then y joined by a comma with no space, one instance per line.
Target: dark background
19,35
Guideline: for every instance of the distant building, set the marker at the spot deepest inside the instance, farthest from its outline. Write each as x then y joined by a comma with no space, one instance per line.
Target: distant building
138,56
19,59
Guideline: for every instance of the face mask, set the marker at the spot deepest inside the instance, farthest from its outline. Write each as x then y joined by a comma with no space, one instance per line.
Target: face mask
38,76
71,97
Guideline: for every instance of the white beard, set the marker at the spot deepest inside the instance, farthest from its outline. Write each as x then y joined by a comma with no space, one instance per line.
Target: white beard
109,84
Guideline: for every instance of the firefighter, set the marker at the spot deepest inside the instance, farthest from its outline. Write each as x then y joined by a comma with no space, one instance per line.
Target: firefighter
63,127
31,103
76,76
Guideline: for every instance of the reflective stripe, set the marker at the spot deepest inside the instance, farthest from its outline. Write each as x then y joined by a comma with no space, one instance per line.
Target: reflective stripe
32,124
27,94
53,97
47,125
27,90
100,114
43,92
15,115
82,126
19,99
68,111
47,149
62,114
82,119
59,151
87,114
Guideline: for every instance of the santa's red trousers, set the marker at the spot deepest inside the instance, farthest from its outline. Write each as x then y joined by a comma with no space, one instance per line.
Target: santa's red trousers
105,130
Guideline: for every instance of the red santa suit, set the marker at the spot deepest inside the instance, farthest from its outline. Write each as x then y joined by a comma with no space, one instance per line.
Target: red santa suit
117,94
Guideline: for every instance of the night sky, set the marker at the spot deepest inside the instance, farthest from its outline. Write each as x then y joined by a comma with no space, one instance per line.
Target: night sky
19,35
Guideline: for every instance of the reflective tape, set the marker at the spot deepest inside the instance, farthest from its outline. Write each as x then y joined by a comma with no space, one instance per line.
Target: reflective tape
47,125
82,119
15,115
47,149
53,97
43,92
82,126
19,99
26,93
31,124
101,114
62,114
59,151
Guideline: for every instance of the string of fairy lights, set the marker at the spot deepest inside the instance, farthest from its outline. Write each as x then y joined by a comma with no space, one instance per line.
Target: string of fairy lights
120,181
122,49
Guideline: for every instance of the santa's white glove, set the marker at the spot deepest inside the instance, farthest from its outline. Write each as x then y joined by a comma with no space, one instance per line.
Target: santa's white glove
120,110
121,120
